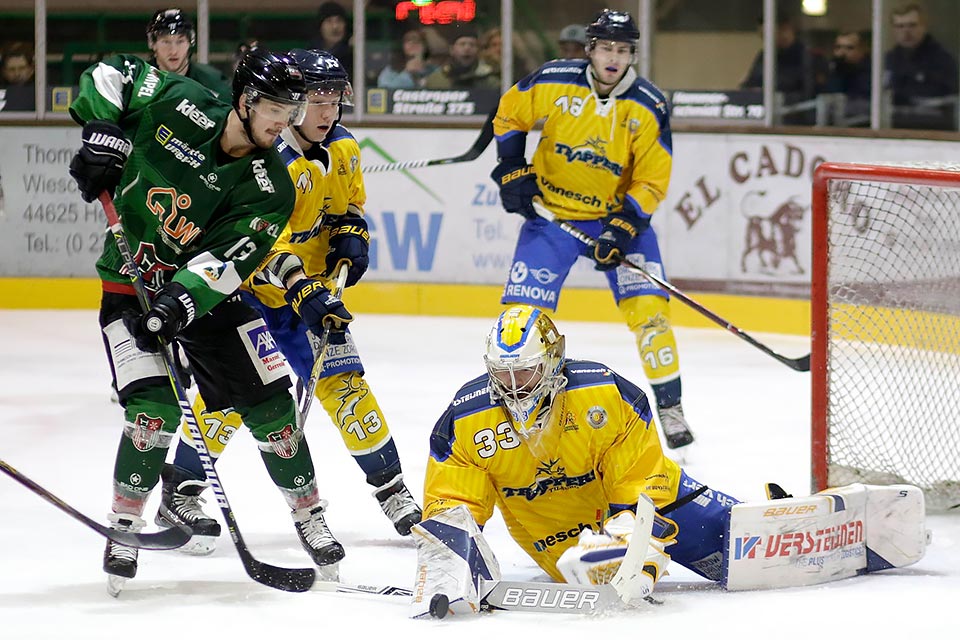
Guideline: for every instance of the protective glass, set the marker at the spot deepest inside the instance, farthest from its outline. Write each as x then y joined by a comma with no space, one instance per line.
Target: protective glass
276,108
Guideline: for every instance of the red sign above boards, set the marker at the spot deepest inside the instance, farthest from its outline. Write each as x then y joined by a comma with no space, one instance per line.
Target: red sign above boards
437,12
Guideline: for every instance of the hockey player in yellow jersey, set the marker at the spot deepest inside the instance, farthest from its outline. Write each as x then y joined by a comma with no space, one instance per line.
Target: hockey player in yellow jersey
566,450
326,230
603,164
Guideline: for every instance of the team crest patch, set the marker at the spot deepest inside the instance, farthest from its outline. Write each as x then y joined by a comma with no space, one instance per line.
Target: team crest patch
597,417
146,432
570,423
284,443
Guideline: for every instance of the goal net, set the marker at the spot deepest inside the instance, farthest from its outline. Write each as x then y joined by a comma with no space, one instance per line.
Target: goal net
885,300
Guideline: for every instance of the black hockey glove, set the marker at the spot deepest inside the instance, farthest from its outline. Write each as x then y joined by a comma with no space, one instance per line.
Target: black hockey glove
98,165
518,186
350,243
316,305
619,230
172,309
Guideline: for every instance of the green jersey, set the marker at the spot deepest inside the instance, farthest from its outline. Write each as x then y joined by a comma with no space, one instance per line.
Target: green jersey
207,75
191,214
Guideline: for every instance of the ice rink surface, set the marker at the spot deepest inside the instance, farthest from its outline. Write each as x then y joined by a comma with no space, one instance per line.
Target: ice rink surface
750,414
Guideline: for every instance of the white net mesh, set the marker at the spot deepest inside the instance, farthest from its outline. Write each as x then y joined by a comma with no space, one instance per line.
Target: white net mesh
893,357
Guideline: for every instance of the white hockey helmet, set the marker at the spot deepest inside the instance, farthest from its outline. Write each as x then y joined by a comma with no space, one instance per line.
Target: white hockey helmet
524,359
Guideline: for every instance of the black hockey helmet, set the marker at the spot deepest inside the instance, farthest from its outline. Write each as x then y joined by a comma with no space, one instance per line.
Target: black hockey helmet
262,74
617,26
322,71
167,22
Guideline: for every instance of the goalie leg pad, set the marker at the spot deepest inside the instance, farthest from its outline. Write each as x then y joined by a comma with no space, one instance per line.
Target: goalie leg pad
836,534
702,525
452,559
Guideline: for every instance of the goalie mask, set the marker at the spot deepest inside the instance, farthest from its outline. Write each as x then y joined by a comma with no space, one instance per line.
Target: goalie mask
524,359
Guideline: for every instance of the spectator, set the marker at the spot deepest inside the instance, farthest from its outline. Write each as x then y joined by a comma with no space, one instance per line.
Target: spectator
16,78
409,63
333,35
171,37
573,42
465,70
850,75
491,49
918,68
800,71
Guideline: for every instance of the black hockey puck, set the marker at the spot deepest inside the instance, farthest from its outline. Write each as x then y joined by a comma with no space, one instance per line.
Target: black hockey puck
439,605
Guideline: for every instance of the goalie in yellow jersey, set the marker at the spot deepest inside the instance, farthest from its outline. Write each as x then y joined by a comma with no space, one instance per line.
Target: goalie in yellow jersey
327,229
566,449
603,165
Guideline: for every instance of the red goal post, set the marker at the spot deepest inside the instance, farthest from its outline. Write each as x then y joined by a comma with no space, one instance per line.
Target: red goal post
885,303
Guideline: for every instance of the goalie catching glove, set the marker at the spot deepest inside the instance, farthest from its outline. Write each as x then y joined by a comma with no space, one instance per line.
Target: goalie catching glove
599,558
619,231
98,165
518,186
317,306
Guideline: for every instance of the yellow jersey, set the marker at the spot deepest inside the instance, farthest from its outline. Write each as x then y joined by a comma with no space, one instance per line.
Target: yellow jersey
328,184
593,152
600,450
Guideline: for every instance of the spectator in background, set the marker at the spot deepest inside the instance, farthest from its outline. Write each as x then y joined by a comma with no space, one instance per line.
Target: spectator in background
409,63
850,75
572,42
333,35
491,50
918,68
16,78
171,38
800,71
465,70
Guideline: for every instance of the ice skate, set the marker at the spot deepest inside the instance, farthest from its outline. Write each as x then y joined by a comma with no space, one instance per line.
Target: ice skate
120,561
399,505
318,541
180,504
675,427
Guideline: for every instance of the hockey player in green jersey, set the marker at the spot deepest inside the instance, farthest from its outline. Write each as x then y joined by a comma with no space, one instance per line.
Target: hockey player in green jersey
171,37
327,229
203,196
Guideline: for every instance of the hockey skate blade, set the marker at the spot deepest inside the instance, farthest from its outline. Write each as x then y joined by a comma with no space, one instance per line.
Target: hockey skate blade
115,585
199,546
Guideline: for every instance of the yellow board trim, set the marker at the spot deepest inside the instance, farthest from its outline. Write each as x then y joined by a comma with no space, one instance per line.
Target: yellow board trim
749,313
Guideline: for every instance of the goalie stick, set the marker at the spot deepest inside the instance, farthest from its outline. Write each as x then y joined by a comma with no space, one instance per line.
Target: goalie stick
321,348
797,364
171,538
548,597
478,147
282,578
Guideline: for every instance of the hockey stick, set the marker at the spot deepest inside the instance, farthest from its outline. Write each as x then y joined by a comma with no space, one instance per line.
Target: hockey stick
478,147
297,580
161,540
321,348
797,364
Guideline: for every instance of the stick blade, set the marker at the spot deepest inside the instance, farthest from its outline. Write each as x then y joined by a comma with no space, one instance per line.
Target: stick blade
282,578
162,540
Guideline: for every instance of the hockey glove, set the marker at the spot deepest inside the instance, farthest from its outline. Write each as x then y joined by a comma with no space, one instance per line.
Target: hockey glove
619,231
317,306
172,310
518,186
98,165
350,243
